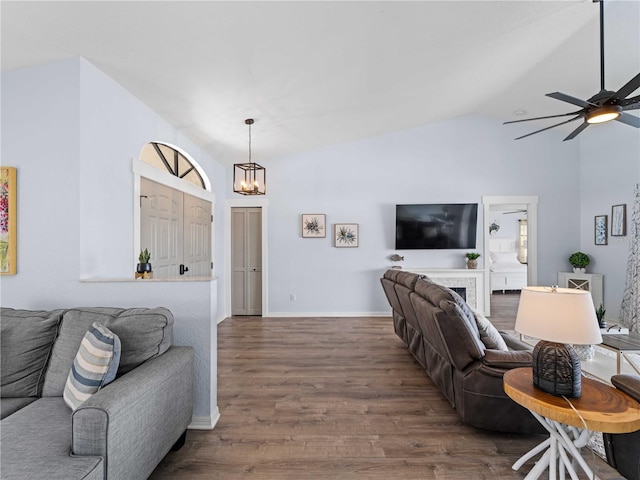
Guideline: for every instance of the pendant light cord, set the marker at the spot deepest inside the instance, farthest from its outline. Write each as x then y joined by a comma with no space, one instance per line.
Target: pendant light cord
249,121
602,45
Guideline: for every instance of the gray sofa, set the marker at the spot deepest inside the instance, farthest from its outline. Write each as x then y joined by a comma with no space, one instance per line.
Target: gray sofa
466,362
121,432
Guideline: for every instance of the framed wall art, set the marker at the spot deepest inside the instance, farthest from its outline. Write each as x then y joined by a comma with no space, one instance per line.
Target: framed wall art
600,230
346,235
8,221
314,225
619,220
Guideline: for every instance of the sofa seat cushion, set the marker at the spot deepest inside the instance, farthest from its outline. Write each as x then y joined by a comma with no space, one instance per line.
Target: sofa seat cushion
26,338
35,443
13,404
95,365
144,333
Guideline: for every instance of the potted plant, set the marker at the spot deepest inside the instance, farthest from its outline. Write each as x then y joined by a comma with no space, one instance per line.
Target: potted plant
579,262
144,266
600,311
472,259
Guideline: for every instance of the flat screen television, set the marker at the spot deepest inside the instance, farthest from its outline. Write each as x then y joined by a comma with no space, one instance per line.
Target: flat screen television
436,226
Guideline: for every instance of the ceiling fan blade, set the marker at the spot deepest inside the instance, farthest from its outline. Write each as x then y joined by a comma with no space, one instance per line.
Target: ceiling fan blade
569,99
575,133
547,128
629,120
628,88
630,103
541,118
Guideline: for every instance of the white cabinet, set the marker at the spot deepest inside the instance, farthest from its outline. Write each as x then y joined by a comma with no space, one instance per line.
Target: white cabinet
591,282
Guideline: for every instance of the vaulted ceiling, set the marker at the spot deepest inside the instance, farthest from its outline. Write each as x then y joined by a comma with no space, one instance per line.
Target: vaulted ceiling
320,73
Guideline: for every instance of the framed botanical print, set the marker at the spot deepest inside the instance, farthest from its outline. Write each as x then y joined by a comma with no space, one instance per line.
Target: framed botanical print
600,230
8,221
619,220
346,235
314,225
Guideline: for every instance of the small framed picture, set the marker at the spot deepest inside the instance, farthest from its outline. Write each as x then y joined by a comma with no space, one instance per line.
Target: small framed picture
314,225
619,220
346,235
600,229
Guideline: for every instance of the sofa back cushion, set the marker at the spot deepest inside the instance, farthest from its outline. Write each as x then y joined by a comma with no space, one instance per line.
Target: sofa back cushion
27,337
389,281
460,334
144,333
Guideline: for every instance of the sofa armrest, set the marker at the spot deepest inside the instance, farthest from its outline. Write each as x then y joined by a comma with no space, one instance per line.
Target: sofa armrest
515,343
133,422
629,384
507,360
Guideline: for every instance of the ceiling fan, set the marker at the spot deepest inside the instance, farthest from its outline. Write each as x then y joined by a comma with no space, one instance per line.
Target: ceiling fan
603,107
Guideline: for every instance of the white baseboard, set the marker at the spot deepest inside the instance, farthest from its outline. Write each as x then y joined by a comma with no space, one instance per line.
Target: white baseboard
205,423
327,314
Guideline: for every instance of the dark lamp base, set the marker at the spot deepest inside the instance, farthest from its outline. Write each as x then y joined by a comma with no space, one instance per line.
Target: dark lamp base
556,369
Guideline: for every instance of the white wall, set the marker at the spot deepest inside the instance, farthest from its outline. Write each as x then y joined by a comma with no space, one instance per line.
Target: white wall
72,132
610,160
361,182
610,168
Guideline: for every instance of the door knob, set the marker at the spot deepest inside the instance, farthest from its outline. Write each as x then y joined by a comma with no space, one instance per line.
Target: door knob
183,269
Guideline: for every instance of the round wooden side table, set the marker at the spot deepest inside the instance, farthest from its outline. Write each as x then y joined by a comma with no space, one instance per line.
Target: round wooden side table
601,408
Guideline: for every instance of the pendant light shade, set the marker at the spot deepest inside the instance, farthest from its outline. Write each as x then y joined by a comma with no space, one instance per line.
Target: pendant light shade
249,178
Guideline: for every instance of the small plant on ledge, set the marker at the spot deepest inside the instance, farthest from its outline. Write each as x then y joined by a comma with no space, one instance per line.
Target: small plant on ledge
579,261
144,266
472,260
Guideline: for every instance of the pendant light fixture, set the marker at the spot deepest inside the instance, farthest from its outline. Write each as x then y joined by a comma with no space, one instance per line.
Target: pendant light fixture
249,178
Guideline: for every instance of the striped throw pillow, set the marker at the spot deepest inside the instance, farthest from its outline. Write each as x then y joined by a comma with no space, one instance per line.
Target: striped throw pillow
95,365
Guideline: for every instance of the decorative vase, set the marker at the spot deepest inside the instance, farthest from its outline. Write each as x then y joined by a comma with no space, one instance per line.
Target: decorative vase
585,352
472,264
143,267
579,270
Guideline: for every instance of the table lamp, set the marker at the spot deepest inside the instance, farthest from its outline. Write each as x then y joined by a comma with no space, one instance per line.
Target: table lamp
558,317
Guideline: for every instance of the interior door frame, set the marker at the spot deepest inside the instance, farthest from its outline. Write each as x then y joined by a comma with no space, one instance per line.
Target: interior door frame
250,202
531,204
143,169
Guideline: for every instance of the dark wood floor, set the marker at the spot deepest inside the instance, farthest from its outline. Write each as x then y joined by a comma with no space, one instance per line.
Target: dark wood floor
338,398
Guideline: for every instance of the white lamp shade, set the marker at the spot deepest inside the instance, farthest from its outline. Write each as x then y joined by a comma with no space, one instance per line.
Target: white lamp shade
562,315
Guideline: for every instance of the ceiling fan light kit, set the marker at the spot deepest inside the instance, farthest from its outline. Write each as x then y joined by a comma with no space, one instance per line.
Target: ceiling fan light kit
603,107
603,114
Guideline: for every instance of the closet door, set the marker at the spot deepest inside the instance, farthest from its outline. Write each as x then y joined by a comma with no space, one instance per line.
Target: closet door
246,261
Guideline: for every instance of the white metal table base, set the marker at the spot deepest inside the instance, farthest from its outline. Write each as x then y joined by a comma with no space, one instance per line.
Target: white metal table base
561,452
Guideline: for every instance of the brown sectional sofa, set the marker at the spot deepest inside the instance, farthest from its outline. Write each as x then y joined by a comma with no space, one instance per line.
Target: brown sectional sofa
440,331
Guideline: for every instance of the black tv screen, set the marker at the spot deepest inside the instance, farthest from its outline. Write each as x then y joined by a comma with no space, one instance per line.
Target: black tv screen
436,226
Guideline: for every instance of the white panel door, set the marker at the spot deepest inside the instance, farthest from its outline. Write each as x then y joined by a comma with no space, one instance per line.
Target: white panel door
161,220
176,228
197,236
254,261
246,261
